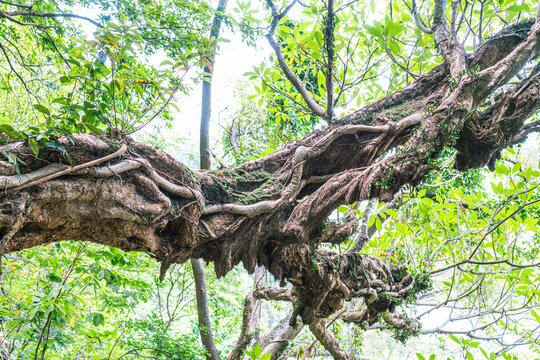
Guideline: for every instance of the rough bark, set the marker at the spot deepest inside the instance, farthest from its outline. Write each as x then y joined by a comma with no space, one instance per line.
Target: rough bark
282,335
272,211
328,340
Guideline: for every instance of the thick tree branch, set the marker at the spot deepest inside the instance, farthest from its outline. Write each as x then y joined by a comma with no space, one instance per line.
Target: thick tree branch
280,338
269,211
499,126
328,340
452,50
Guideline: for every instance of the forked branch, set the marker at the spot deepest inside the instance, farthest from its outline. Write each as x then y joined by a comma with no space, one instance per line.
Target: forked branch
289,74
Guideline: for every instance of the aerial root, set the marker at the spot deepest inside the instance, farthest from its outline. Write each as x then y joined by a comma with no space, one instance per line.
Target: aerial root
49,173
327,280
170,187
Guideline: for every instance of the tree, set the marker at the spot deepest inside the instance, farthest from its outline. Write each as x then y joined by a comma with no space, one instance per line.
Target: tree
273,211
198,268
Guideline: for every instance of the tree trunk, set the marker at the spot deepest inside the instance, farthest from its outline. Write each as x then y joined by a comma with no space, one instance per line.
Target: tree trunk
205,326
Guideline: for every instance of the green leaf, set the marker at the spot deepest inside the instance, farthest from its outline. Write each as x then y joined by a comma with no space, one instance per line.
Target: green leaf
34,146
454,338
378,224
54,278
257,350
7,128
484,352
470,356
342,209
535,315
93,128
42,109
265,357
420,356
98,319
391,212
393,28
375,31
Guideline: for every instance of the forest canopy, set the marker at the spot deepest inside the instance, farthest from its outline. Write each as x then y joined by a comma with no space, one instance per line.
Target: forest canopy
378,174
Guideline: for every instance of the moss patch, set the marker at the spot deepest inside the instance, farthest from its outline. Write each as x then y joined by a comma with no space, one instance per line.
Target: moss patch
242,187
399,112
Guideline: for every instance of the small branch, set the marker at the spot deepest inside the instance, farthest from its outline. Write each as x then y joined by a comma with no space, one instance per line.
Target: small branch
110,170
250,319
160,110
29,7
169,186
485,263
246,210
205,325
11,14
391,56
339,232
22,23
283,335
363,236
13,69
417,19
289,74
401,322
453,19
527,129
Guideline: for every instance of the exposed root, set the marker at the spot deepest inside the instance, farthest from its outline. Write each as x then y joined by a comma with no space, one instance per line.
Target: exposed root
327,280
46,174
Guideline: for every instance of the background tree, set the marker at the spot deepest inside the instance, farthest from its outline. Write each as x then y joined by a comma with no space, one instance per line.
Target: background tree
207,336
